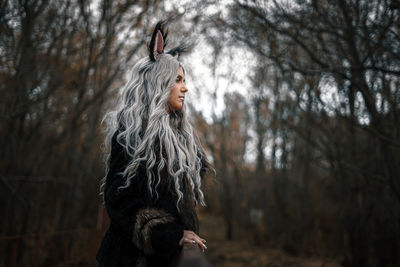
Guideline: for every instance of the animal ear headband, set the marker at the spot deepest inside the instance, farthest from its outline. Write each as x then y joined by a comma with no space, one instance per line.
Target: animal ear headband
159,41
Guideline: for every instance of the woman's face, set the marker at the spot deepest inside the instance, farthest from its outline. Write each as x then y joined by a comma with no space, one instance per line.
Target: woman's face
177,95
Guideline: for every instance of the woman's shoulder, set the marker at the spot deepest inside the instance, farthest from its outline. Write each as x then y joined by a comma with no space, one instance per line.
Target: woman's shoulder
116,178
118,156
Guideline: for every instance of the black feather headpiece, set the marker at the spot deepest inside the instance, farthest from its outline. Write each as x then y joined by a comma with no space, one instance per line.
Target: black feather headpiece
181,48
159,41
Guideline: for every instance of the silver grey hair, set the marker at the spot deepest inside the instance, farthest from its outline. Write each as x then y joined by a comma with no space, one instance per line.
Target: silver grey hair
143,115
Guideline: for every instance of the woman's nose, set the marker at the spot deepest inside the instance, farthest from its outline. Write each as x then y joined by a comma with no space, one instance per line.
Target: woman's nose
184,88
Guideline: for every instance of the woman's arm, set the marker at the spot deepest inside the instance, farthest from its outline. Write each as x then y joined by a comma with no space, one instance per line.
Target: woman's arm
152,230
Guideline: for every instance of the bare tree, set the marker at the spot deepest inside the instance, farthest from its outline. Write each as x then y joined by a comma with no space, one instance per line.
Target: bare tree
337,74
61,62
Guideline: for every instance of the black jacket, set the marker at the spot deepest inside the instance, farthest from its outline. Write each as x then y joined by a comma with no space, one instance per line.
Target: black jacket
143,231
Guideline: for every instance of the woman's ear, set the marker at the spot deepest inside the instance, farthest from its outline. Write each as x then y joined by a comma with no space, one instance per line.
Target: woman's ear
158,48
158,41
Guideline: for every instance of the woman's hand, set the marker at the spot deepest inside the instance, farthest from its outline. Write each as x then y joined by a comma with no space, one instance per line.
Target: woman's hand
190,237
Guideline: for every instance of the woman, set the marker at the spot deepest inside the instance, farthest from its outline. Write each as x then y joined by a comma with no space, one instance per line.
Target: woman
155,166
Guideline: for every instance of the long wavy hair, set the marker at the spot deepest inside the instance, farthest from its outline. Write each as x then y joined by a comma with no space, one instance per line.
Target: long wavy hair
142,118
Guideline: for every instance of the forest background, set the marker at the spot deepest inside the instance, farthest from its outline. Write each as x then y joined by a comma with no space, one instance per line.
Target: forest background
296,102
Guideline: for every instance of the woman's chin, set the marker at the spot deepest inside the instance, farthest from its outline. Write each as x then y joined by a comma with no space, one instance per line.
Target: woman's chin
178,107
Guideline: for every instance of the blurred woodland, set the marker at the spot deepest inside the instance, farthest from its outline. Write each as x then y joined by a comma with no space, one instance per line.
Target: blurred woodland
322,119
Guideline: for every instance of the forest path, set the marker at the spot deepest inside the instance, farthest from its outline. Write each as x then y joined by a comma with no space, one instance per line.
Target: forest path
242,252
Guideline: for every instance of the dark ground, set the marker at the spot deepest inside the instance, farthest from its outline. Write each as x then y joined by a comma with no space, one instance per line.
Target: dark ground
242,252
